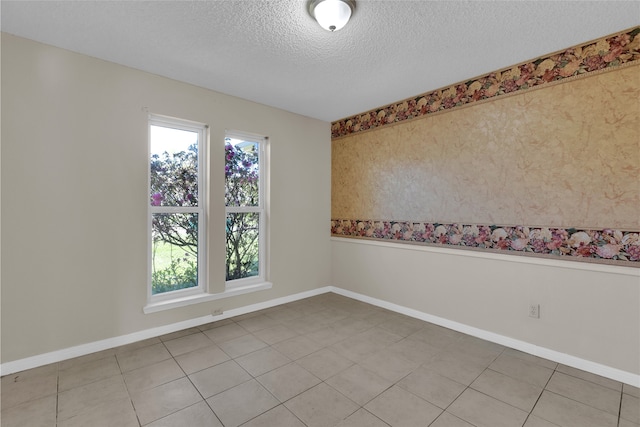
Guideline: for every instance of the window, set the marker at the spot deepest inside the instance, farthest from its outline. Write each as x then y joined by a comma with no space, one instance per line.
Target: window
176,208
246,231
178,212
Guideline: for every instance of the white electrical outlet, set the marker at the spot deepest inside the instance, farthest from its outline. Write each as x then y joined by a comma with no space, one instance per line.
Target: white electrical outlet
534,311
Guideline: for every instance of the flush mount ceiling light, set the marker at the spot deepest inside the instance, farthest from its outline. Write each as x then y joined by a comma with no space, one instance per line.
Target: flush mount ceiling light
332,14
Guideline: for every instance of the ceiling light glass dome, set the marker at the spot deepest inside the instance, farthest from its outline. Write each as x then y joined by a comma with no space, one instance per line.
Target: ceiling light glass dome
332,15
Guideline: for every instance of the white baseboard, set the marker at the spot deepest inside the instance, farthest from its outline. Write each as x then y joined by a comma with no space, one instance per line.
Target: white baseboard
556,356
84,349
92,347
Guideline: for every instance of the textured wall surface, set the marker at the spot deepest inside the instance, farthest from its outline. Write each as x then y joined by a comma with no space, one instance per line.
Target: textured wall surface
566,155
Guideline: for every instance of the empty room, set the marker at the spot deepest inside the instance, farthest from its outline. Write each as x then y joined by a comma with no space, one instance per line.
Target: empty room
320,213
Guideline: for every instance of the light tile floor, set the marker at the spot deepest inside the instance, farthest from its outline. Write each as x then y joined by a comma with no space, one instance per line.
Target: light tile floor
322,361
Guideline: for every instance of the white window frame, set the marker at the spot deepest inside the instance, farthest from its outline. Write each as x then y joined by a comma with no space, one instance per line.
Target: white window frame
261,210
201,209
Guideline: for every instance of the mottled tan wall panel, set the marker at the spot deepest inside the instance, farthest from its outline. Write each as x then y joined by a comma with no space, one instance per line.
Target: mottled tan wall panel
566,155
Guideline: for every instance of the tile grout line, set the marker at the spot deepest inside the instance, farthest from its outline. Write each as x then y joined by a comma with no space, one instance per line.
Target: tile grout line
256,379
234,360
358,406
468,386
540,396
115,355
620,406
57,390
191,382
584,403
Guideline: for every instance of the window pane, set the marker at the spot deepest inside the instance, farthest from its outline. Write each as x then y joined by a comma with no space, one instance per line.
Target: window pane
174,252
242,245
242,171
174,167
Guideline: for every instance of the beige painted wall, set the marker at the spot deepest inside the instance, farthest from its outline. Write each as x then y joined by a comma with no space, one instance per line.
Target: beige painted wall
74,196
591,315
566,155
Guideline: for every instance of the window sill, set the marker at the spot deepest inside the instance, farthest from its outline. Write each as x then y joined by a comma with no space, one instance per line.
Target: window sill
204,297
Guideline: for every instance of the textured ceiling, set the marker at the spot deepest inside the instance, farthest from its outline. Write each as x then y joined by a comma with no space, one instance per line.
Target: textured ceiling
274,53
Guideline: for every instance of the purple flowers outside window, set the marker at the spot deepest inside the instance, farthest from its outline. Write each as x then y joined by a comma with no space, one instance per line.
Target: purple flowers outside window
156,199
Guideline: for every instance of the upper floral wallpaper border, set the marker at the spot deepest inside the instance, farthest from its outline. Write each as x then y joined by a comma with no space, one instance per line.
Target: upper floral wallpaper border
604,246
608,52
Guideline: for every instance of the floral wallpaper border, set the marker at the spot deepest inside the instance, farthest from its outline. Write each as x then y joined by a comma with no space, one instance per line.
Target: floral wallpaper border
609,52
604,246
